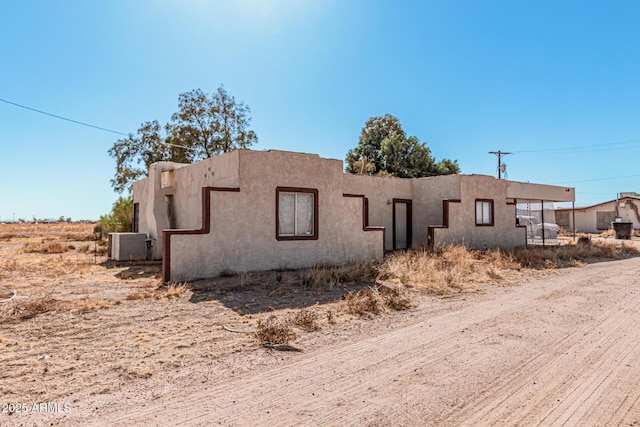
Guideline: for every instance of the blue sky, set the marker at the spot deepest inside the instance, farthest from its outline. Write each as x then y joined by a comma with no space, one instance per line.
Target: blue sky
557,83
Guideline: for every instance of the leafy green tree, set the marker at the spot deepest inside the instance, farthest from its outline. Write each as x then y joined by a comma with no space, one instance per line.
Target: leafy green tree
375,130
447,167
385,149
203,126
405,157
120,219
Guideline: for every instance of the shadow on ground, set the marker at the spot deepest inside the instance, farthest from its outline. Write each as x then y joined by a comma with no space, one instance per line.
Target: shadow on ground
263,292
135,269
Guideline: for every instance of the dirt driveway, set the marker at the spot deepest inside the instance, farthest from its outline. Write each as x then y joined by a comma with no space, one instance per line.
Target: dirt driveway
559,350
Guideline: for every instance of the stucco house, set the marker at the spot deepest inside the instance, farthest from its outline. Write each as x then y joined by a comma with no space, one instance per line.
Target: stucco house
598,218
259,210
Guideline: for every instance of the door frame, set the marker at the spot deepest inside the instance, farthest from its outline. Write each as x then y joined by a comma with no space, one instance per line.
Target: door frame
408,203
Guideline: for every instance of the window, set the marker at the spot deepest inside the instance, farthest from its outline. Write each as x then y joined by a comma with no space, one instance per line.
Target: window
484,212
296,213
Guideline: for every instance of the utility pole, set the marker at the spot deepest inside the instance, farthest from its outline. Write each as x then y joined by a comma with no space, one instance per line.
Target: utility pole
499,154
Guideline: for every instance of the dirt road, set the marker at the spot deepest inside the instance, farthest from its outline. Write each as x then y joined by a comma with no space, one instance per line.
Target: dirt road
561,350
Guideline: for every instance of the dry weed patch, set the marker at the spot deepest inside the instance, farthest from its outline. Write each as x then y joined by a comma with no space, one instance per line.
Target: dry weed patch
274,331
306,319
375,300
47,248
24,310
145,291
456,269
323,276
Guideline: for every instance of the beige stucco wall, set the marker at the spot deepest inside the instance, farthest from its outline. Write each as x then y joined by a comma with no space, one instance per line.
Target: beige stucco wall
153,209
462,217
243,231
428,194
218,171
242,227
380,191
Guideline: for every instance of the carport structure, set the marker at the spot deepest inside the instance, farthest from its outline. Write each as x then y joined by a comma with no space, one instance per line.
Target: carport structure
535,209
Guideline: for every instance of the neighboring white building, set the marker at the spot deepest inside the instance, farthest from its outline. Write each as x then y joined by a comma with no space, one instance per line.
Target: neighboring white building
598,218
260,210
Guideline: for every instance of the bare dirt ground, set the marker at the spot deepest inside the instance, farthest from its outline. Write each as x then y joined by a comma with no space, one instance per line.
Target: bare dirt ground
559,348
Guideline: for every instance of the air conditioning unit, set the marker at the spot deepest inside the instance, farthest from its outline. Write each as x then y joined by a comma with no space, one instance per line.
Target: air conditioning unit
127,246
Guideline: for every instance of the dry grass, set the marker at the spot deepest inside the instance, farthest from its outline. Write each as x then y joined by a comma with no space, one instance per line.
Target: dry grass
569,255
306,319
329,276
375,300
274,331
59,231
446,271
25,310
146,290
456,269
47,248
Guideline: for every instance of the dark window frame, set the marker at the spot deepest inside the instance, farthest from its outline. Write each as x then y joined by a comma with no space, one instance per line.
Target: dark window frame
313,191
493,213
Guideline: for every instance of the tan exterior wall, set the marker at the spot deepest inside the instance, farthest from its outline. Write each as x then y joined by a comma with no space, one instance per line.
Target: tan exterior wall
380,191
153,207
217,171
462,217
243,224
428,194
241,232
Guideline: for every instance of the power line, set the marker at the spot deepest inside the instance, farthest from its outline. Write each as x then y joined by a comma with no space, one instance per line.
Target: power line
87,124
584,148
598,179
64,118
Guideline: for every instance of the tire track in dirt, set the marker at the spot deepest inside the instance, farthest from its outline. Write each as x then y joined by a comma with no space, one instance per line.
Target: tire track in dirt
527,393
352,364
379,377
383,349
533,371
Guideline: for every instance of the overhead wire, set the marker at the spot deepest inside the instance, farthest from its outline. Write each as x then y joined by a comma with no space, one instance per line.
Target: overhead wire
63,118
78,122
598,179
634,143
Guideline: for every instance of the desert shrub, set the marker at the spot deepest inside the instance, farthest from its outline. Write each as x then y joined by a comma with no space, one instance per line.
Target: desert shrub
120,219
274,331
306,320
375,300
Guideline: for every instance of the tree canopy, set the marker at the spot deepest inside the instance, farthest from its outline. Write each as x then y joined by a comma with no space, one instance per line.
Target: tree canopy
385,149
203,126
